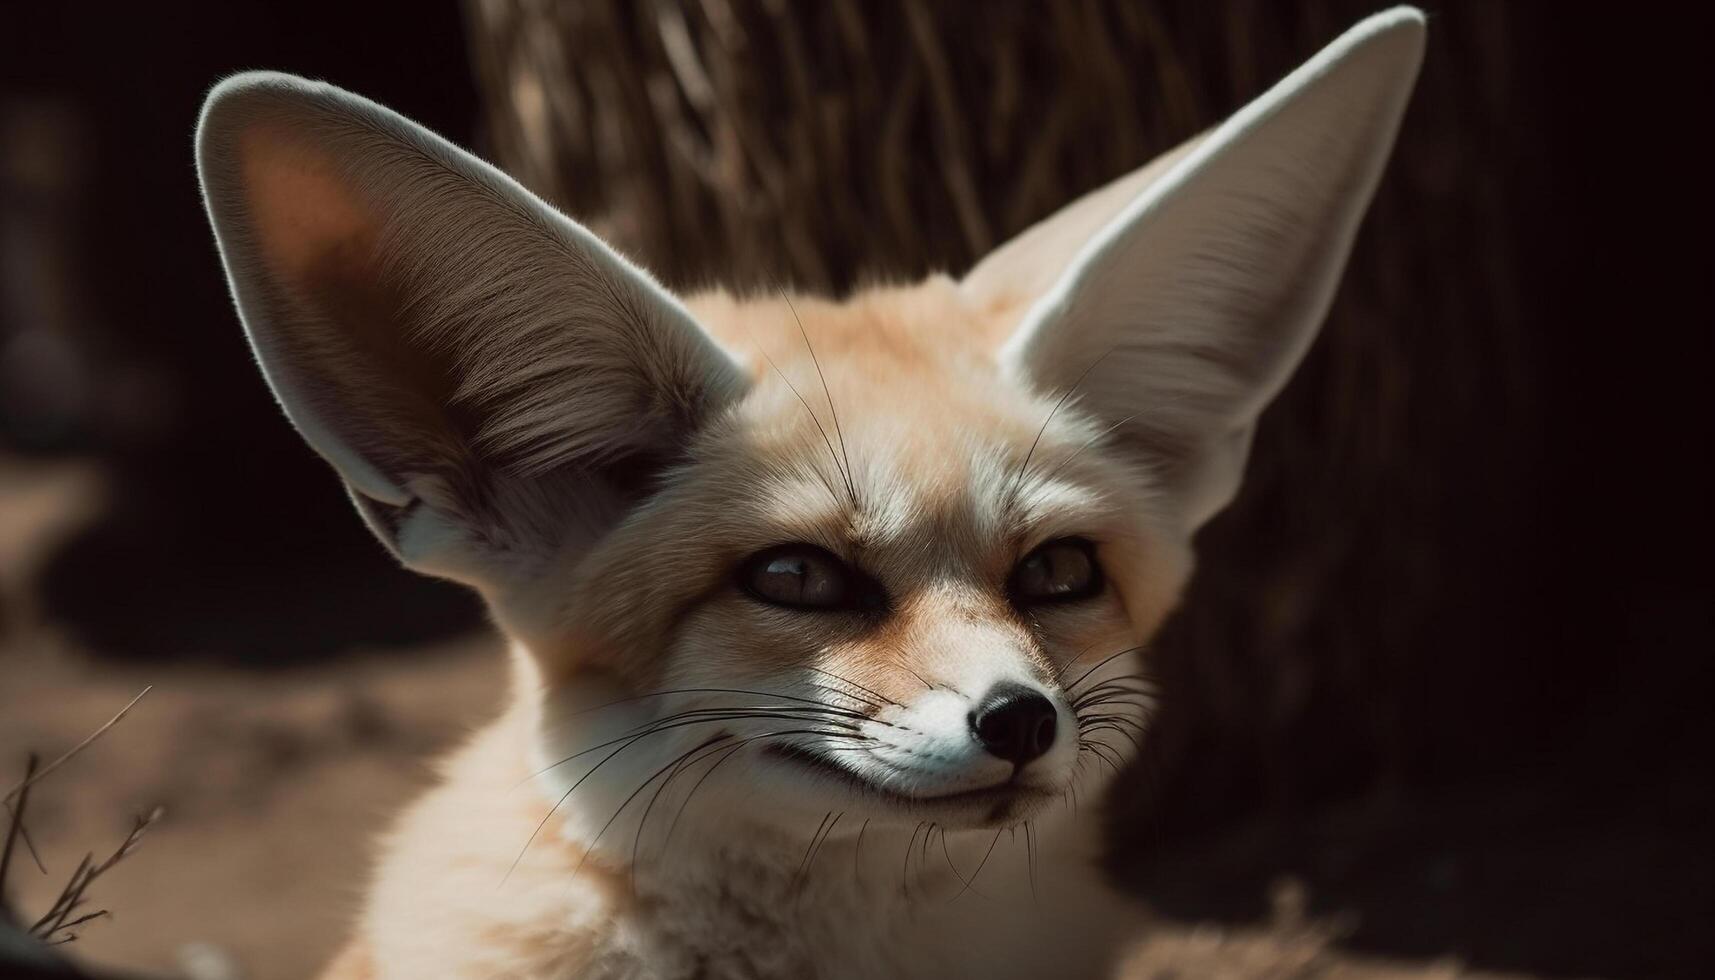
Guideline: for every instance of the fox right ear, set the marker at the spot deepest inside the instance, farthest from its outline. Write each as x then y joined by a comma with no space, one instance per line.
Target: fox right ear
492,382
1177,301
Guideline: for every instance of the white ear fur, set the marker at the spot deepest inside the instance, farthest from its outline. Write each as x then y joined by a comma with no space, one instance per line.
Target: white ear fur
487,376
1195,285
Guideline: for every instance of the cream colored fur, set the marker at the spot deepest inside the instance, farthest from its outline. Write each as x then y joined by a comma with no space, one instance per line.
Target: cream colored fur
515,406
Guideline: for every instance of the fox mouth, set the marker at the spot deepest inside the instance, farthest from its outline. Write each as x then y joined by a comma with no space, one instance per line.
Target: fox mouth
1002,801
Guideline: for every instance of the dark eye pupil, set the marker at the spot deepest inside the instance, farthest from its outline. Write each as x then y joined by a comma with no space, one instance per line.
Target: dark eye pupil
1059,570
789,579
799,576
1068,570
786,566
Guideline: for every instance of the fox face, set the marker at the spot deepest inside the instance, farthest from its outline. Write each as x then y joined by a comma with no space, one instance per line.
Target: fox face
895,557
879,577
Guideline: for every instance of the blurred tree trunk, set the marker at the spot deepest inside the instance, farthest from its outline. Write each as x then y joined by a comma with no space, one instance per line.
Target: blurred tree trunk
1354,595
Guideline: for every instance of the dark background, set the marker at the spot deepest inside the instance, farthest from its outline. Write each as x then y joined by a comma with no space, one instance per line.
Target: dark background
1462,613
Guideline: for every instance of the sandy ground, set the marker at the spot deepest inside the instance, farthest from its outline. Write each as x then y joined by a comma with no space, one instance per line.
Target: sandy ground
275,783
272,786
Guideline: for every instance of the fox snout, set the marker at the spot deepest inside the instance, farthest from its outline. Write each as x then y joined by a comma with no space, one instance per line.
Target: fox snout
1004,732
1015,723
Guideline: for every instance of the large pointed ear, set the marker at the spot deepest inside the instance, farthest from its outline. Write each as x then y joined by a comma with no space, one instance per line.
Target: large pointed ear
491,381
1189,290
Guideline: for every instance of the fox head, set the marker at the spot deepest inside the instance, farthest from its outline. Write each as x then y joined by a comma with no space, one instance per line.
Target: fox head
898,555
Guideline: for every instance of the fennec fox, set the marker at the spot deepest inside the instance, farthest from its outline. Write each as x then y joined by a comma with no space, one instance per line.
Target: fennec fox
827,618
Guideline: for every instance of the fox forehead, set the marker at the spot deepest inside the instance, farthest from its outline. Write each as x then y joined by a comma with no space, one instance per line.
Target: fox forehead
887,415
904,330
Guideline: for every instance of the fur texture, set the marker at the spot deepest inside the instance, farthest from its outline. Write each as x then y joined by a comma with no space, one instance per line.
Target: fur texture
696,779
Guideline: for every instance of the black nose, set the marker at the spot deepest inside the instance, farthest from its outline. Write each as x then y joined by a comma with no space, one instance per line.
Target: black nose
1014,723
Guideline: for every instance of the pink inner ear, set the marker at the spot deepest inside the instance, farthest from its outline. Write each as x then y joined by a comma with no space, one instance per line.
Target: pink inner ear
304,213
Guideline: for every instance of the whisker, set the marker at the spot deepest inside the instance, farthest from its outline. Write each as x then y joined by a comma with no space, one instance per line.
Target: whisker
694,690
833,716
681,719
1108,709
630,740
1128,689
1116,703
730,752
634,794
980,865
637,840
851,485
905,869
1098,437
923,857
857,854
1018,479
667,841
860,699
1122,695
1068,665
814,418
1143,680
1095,749
686,802
560,802
847,680
610,820
1138,683
1133,734
945,853
1111,717
1071,689
816,850
926,685
1030,859
1137,746
792,888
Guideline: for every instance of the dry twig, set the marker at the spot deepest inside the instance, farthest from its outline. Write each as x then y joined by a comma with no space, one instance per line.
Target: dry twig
56,925
79,747
59,924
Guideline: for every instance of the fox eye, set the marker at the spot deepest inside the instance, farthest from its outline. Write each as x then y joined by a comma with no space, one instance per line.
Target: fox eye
803,576
1062,570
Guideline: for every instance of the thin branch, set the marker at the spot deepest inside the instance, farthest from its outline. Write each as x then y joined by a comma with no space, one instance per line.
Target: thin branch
16,827
72,897
79,747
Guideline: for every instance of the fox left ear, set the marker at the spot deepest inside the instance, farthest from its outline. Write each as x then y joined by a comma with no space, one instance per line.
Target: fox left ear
494,385
1179,299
